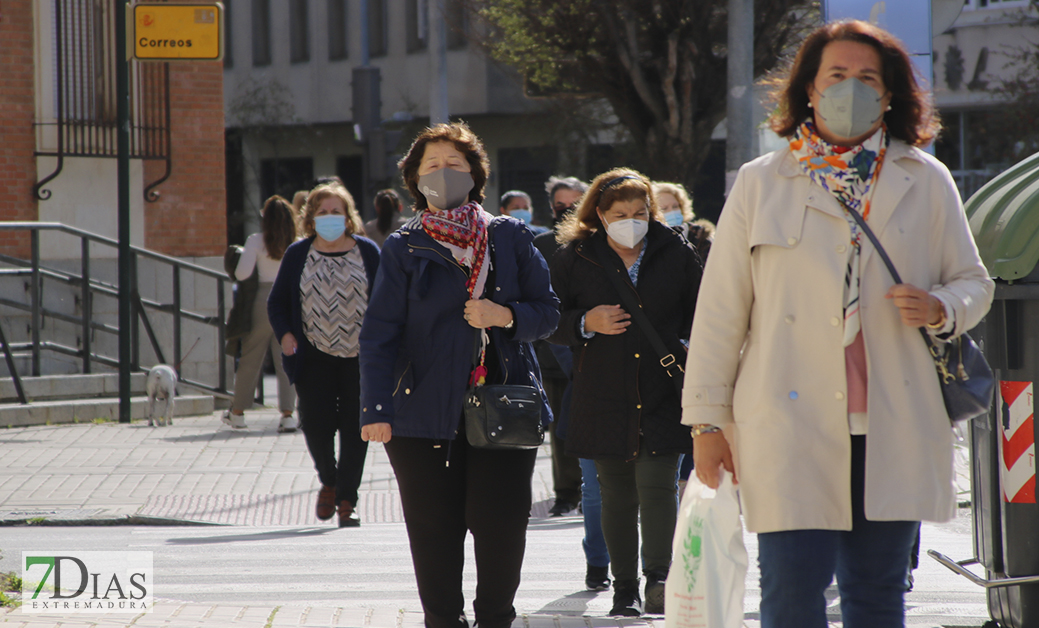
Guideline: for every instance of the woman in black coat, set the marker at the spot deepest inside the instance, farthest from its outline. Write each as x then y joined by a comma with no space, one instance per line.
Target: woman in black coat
626,409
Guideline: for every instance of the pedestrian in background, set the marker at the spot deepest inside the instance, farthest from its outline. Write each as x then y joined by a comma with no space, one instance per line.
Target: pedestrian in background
316,307
388,216
677,208
626,409
838,457
516,203
416,361
563,195
262,254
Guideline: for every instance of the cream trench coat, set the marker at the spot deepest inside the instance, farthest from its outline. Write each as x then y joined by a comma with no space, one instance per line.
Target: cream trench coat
769,358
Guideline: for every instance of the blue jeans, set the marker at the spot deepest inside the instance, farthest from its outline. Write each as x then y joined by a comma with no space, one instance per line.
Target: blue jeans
869,561
594,542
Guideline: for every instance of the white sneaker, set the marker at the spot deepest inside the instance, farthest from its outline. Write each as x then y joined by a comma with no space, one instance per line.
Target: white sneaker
236,421
288,424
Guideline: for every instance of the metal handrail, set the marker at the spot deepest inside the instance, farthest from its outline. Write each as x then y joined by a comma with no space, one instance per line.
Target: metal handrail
959,568
35,272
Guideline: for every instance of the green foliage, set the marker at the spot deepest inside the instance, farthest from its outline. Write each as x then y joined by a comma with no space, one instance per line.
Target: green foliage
660,64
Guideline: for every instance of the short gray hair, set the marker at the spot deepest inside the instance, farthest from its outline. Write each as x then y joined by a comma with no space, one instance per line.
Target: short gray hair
556,183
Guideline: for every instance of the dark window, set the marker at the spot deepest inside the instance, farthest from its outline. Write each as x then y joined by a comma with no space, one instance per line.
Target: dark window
299,43
377,36
455,18
228,48
337,30
416,21
284,176
261,32
351,170
527,169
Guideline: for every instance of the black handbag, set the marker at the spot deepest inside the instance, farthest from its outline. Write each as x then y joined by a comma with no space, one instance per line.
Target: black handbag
964,375
500,416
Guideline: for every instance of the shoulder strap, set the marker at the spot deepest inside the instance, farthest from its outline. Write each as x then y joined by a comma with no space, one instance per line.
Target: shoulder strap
934,349
667,359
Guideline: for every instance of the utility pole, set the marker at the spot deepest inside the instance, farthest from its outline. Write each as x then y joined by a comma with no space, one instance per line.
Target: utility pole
739,122
437,63
122,90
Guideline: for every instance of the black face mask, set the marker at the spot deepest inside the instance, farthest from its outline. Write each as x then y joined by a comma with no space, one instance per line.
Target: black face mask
560,214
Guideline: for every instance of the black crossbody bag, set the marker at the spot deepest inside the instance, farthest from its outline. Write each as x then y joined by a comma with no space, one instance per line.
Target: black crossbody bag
963,373
501,416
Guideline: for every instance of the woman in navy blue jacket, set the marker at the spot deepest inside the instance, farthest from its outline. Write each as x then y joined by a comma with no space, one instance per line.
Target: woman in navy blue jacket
435,288
316,307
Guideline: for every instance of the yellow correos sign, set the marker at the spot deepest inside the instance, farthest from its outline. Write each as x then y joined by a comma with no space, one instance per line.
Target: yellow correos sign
171,32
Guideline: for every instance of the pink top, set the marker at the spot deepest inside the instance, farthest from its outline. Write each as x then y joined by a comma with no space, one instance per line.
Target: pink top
855,365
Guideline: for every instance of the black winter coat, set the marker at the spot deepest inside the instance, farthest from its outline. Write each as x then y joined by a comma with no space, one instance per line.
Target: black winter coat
620,391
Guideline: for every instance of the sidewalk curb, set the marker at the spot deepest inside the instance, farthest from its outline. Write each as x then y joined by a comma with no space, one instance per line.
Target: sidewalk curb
129,520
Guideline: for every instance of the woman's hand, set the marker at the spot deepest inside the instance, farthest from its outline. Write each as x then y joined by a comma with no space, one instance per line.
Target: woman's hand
377,432
607,319
288,344
917,307
483,313
710,451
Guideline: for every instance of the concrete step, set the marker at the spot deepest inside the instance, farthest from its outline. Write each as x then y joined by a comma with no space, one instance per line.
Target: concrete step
87,410
79,386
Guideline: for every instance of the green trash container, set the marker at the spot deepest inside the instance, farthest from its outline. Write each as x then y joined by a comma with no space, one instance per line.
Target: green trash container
1004,217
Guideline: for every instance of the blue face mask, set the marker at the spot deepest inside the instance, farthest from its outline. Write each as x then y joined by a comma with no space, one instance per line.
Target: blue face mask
521,214
330,226
674,218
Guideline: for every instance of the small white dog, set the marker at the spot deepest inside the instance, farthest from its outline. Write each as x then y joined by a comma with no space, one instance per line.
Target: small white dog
162,386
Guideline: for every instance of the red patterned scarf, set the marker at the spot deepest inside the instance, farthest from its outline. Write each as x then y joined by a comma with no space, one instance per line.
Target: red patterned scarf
464,232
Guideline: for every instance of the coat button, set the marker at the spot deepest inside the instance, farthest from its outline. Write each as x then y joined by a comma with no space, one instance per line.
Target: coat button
791,241
839,395
638,406
793,394
364,410
789,320
378,407
498,288
411,250
835,321
841,248
698,396
636,355
407,391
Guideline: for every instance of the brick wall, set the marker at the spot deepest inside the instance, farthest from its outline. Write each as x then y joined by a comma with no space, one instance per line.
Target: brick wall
17,113
190,217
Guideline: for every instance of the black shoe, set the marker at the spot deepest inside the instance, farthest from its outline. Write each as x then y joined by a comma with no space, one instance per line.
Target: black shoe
561,507
654,595
626,602
597,578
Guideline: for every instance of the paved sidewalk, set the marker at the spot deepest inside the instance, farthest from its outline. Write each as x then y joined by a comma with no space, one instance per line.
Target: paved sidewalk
200,472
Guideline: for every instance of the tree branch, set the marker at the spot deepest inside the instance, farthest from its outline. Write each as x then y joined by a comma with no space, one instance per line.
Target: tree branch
668,85
629,58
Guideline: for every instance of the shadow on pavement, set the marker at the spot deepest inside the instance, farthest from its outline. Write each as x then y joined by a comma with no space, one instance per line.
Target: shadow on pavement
260,536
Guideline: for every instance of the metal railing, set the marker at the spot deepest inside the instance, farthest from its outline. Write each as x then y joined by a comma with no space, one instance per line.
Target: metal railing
90,287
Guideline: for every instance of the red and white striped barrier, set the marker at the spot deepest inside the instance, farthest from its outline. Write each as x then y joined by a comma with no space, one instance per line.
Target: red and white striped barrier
1017,446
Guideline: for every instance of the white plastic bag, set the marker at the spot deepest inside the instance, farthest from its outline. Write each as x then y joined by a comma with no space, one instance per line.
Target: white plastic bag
705,586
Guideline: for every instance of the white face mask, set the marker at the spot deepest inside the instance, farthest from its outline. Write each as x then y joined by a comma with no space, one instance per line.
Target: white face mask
628,232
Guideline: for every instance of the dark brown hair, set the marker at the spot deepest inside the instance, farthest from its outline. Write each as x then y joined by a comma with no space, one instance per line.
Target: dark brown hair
278,225
912,117
459,134
584,221
387,203
320,193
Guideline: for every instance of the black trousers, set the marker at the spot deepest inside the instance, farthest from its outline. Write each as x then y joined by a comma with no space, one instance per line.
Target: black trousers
486,492
329,391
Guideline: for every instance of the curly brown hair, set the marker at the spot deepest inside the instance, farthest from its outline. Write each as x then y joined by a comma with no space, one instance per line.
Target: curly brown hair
912,117
320,193
584,221
459,134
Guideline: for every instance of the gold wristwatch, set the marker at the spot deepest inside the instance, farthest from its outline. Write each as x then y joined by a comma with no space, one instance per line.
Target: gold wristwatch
704,428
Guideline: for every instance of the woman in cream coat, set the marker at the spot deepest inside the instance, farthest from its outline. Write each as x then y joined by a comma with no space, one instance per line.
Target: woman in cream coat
797,395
